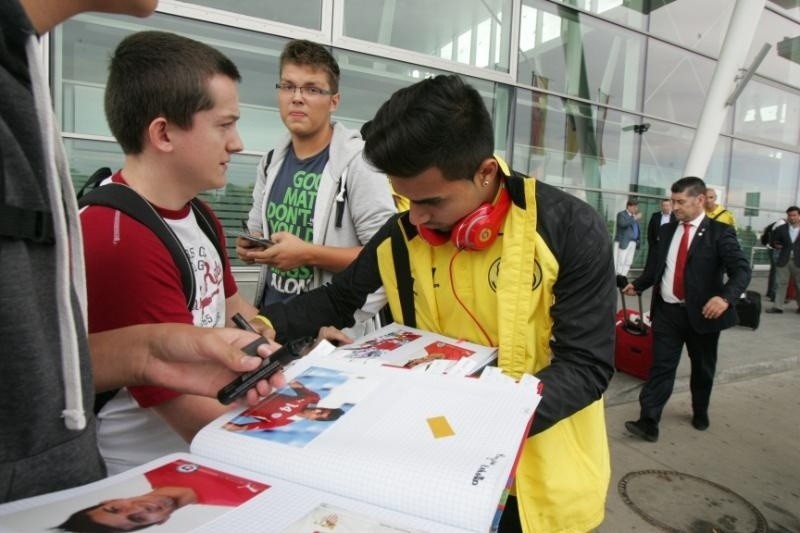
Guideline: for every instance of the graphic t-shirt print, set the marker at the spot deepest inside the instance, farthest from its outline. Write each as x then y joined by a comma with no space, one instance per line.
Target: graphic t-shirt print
290,208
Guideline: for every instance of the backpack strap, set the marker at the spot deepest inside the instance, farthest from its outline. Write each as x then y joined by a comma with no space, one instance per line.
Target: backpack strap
715,217
26,224
37,226
402,270
205,219
128,201
268,161
341,198
34,225
125,199
94,180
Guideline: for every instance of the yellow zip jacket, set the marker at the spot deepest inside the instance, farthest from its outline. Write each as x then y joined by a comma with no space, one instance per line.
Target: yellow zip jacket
544,293
722,215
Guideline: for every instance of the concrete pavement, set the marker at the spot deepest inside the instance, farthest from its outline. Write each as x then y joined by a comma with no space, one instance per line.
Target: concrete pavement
740,475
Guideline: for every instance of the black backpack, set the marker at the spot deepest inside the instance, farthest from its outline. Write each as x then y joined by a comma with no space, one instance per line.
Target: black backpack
128,201
125,199
766,235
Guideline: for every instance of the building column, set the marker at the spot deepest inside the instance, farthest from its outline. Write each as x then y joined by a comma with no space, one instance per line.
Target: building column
742,27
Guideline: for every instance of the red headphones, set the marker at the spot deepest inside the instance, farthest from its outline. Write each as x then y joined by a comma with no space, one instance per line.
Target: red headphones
477,230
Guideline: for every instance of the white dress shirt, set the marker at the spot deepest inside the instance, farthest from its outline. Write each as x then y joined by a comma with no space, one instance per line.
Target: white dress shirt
669,272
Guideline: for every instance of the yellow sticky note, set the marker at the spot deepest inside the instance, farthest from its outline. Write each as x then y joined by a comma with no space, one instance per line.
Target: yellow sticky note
440,427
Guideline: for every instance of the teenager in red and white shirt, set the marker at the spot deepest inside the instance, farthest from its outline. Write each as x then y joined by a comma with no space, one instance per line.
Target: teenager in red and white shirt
172,104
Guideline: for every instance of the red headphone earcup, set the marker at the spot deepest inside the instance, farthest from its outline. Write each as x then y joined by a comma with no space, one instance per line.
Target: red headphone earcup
473,232
476,231
433,237
479,229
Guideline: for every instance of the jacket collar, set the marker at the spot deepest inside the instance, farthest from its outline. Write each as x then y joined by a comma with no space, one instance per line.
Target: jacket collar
514,183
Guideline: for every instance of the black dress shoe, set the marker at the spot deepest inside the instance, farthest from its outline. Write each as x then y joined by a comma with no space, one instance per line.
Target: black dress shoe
700,421
774,310
643,429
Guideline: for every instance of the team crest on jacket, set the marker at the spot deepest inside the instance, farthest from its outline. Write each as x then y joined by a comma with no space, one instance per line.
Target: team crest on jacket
537,275
494,272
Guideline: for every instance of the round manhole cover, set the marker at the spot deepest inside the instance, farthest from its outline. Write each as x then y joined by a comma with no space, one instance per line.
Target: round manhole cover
679,502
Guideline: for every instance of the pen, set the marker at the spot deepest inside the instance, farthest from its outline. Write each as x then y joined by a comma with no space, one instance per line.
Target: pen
242,323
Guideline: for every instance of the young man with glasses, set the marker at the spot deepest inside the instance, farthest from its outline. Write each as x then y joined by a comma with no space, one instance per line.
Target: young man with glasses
315,197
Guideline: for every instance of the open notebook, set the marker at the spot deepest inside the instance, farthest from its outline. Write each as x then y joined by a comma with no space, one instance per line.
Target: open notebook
340,448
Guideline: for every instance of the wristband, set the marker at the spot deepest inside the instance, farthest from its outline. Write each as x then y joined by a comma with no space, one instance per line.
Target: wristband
266,321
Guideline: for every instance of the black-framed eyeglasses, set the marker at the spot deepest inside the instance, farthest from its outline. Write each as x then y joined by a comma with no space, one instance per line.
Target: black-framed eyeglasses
308,90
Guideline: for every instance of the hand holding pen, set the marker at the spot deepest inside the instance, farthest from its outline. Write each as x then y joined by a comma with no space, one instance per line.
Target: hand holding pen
256,384
259,324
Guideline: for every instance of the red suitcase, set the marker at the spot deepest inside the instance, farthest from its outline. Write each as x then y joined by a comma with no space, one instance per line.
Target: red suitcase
633,346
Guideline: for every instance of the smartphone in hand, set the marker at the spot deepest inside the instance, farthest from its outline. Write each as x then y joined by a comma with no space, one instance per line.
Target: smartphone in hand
280,358
259,242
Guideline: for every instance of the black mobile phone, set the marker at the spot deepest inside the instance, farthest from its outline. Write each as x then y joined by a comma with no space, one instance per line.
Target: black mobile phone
258,241
281,357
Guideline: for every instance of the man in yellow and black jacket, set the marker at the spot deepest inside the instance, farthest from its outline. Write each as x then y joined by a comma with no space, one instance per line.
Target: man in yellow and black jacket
496,258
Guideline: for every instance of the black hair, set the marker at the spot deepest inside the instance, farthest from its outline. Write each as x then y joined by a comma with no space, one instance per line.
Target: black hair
331,413
81,522
158,74
793,208
438,122
691,185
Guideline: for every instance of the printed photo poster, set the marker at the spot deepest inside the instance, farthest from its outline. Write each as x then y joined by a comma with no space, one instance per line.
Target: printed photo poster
302,410
436,351
331,519
177,496
380,347
399,346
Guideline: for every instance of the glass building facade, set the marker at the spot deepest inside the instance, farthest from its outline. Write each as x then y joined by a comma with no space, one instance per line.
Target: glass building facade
599,97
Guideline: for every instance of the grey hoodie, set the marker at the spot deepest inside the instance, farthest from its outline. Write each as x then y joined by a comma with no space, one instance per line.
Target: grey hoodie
368,205
46,441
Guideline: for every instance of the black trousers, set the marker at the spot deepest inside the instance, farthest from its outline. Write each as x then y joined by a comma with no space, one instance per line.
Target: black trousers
773,258
671,330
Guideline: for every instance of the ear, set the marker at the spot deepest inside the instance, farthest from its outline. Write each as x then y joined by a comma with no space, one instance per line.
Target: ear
486,171
159,134
334,102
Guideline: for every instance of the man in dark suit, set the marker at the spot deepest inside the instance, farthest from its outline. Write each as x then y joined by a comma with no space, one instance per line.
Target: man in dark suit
658,219
786,242
772,255
691,303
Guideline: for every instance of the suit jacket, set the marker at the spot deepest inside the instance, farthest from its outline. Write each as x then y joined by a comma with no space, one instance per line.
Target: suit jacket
654,226
714,251
625,225
780,237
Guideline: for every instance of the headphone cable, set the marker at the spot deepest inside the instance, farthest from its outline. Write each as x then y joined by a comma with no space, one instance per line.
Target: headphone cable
489,340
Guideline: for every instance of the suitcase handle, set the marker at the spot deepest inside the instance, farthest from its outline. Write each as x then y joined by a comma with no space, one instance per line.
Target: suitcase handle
634,328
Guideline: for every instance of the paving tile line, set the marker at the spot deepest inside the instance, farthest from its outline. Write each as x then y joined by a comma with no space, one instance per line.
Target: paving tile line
625,389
